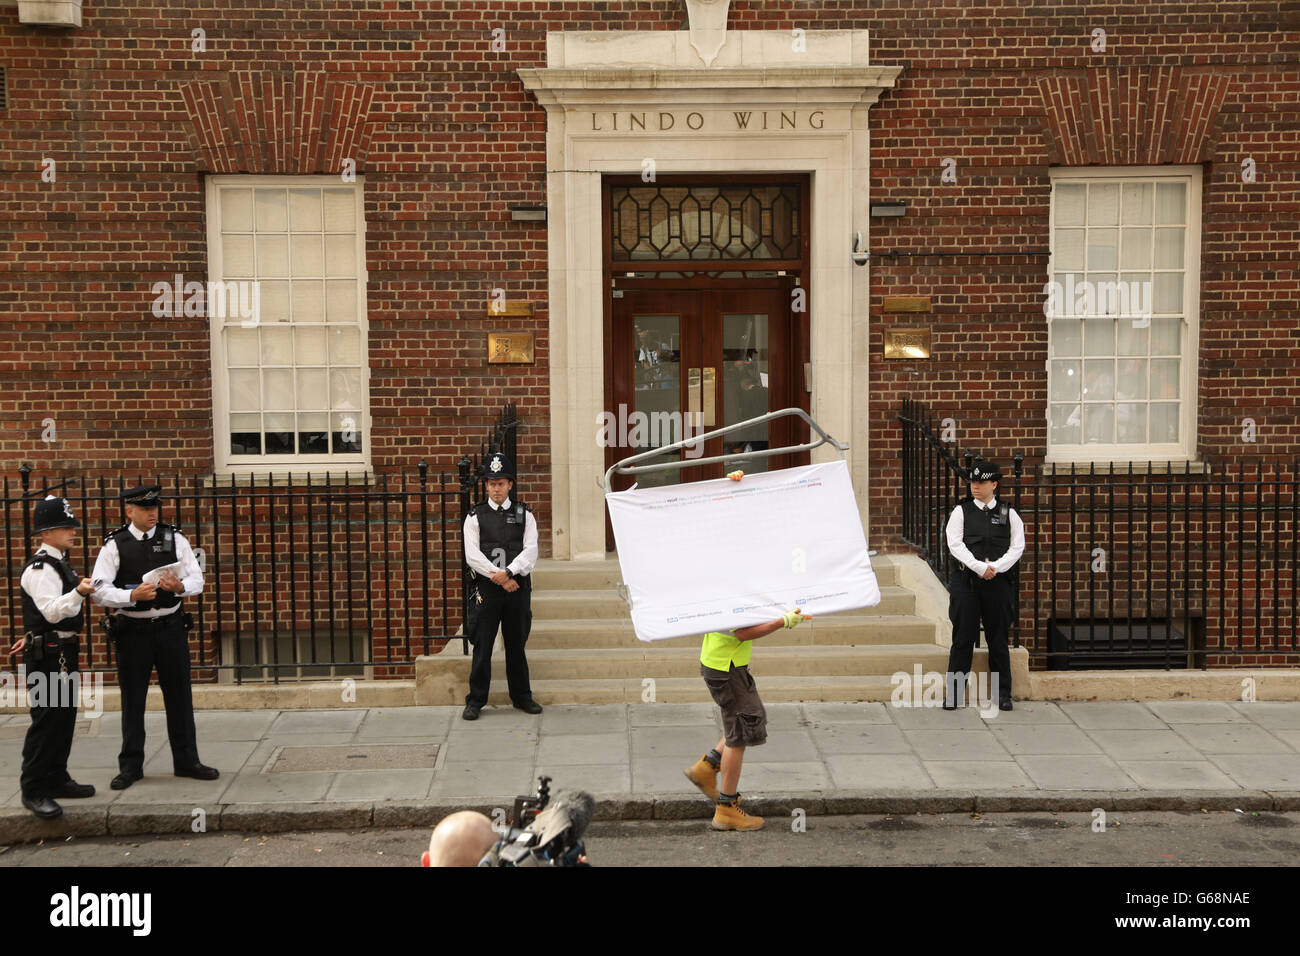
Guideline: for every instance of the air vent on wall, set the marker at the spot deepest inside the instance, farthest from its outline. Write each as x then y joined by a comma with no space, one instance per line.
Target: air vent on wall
4,97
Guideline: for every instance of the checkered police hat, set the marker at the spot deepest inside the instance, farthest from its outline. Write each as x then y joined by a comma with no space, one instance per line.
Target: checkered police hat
985,471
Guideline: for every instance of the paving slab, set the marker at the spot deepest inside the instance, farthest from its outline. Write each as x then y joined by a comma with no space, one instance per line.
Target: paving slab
614,778
877,771
424,722
232,724
1112,715
1144,745
166,788
1176,774
978,775
663,715
1238,738
662,775
784,777
870,712
485,778
673,741
318,722
578,749
936,718
1279,714
584,719
1047,739
256,787
489,745
1035,712
1075,772
784,716
1261,771
228,756
859,738
782,746
956,745
1196,712
380,785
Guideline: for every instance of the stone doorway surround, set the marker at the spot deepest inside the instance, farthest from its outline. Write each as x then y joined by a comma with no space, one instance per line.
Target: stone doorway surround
816,100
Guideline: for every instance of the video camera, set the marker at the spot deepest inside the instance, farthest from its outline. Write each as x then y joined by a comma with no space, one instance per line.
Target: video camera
545,832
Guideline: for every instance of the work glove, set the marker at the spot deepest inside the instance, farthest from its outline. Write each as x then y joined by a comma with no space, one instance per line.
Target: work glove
794,618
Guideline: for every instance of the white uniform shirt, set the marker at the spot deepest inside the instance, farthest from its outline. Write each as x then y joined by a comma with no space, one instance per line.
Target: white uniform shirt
478,561
109,561
45,585
957,530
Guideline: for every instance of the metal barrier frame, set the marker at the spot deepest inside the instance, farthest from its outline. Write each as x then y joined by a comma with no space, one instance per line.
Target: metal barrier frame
622,467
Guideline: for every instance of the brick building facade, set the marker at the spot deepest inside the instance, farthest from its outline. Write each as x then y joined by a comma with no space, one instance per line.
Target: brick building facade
365,162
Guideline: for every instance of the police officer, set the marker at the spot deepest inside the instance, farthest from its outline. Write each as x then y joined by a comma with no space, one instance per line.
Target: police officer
501,549
987,538
53,615
151,631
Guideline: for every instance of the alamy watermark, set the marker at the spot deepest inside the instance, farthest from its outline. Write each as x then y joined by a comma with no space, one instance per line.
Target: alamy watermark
234,299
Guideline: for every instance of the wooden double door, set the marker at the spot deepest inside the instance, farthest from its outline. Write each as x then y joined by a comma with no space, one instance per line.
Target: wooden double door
699,355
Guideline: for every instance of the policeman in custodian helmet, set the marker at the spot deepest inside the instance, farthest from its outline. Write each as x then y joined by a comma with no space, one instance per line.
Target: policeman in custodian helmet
987,538
53,616
501,549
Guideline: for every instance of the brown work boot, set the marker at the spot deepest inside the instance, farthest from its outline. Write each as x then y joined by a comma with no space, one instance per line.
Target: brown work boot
705,776
731,817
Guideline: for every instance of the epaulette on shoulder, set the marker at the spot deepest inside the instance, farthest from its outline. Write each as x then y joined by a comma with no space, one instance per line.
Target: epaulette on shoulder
122,527
38,560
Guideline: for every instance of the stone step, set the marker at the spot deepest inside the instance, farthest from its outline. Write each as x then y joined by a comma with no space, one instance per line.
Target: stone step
605,604
849,628
810,661
773,689
551,574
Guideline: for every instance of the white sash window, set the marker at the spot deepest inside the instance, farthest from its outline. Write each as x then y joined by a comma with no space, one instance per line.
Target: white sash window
1123,314
290,383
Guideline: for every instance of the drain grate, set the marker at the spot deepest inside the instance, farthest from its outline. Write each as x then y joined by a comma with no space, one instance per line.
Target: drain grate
357,757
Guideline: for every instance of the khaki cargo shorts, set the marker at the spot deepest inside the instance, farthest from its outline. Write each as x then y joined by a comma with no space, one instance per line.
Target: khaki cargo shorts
744,718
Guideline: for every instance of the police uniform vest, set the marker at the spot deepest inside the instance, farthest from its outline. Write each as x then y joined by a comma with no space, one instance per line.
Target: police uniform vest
987,530
34,622
137,557
501,530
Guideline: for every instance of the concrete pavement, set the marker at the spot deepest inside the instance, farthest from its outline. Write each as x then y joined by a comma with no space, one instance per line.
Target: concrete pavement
288,770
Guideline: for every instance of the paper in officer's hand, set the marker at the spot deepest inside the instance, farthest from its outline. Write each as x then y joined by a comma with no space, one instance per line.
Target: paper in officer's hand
154,577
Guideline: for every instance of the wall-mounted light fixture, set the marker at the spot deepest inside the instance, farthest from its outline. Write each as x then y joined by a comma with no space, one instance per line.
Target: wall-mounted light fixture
528,213
882,210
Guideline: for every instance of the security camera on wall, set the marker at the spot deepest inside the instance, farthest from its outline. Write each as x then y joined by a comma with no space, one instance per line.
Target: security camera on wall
859,257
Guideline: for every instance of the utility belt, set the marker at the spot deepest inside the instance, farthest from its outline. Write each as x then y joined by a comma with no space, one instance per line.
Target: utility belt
115,625
38,651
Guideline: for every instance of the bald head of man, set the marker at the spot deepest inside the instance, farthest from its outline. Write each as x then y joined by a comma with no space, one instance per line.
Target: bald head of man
460,839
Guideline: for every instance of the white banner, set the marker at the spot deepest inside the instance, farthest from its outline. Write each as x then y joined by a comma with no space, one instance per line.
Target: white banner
716,555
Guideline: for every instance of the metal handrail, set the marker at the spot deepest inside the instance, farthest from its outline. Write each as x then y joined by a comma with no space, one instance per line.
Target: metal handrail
621,466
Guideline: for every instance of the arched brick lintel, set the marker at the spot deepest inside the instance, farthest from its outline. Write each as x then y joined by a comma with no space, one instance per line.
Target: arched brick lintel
262,121
1138,116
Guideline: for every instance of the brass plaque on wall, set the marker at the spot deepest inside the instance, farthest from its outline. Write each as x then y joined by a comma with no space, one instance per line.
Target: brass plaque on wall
510,348
509,307
907,343
907,303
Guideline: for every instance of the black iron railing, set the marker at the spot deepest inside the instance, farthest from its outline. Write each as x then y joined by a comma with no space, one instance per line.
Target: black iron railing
1129,565
305,577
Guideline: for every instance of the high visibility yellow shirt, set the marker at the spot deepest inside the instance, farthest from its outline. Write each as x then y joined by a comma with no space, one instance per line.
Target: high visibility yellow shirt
720,651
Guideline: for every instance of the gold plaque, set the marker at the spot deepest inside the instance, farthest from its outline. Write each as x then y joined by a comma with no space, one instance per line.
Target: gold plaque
510,348
496,307
907,343
907,303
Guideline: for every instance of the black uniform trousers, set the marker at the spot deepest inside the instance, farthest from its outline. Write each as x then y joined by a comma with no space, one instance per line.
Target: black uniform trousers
142,645
514,614
971,600
54,717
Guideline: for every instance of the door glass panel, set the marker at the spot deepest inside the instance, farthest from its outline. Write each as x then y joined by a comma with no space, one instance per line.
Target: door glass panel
746,386
655,418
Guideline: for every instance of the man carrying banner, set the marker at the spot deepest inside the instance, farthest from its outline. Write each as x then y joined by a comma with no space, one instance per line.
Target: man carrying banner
724,665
